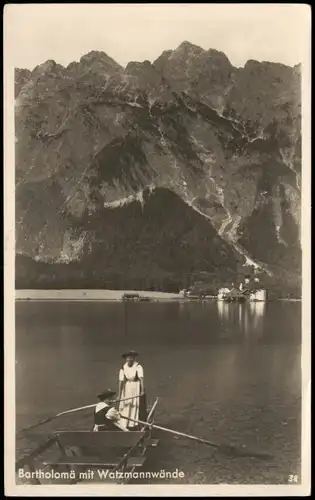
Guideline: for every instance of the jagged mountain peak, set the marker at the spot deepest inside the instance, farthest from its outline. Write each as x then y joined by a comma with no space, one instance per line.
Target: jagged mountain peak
98,55
22,71
49,66
97,60
165,55
189,53
145,77
251,63
187,46
94,62
218,55
254,65
200,127
21,77
136,66
185,53
206,74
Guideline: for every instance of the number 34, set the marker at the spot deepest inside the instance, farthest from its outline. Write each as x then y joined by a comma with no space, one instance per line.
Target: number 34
293,478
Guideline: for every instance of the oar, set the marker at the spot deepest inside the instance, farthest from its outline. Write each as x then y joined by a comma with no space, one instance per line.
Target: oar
227,449
49,419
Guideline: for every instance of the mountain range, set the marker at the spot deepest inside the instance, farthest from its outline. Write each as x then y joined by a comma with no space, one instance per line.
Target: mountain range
156,174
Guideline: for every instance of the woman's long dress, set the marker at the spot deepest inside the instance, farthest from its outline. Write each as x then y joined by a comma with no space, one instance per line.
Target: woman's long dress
132,408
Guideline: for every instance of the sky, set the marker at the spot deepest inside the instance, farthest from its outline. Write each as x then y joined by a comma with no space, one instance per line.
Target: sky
137,32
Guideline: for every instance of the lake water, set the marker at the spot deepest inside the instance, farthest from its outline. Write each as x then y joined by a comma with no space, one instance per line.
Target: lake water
229,373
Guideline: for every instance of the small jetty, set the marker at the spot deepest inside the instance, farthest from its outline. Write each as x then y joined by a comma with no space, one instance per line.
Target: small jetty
136,297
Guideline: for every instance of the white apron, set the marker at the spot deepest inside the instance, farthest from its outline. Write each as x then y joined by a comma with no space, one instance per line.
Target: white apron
130,408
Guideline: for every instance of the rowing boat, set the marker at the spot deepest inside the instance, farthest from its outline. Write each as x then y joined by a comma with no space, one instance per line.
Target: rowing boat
72,457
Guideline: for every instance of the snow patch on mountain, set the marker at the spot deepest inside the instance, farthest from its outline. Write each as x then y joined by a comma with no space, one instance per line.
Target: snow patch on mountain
135,197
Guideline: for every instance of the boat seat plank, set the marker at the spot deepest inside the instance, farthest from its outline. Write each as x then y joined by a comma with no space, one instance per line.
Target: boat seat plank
102,439
95,462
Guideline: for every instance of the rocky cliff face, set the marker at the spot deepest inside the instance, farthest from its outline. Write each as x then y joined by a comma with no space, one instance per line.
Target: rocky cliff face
184,165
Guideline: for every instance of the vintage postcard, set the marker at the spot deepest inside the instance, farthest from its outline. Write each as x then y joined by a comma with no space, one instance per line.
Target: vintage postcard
157,249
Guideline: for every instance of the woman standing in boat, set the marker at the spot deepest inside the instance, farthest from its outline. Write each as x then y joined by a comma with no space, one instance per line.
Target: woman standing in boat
131,385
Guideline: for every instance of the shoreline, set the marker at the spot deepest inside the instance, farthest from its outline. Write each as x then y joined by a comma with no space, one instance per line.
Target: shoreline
86,295
93,295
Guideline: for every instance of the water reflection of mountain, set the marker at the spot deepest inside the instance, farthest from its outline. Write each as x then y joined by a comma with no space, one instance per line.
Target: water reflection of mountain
247,318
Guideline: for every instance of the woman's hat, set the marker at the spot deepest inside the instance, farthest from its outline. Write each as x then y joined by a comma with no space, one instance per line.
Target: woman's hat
130,353
106,394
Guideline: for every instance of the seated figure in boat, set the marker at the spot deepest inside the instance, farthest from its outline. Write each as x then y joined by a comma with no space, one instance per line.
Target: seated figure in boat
106,417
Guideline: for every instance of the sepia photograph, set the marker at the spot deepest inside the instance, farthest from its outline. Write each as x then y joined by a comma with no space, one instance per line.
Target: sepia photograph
157,249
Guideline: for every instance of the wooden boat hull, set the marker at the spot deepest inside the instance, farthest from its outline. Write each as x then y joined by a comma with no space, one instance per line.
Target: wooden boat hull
86,456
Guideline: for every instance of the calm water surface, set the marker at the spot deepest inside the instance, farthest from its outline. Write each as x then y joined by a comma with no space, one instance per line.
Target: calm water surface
229,373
